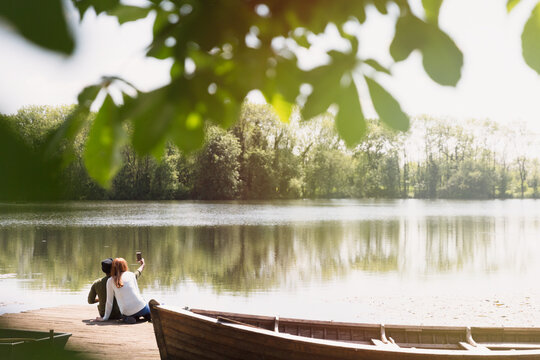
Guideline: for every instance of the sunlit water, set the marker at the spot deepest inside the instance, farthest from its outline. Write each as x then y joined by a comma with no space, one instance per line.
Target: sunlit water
412,261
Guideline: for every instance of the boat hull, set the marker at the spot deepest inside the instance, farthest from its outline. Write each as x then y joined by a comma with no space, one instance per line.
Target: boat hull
183,334
25,344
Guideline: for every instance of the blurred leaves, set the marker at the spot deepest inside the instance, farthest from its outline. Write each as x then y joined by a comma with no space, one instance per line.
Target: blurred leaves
511,4
222,50
387,107
283,108
41,22
27,174
152,105
106,138
350,122
530,40
98,5
126,13
442,59
431,8
188,131
375,65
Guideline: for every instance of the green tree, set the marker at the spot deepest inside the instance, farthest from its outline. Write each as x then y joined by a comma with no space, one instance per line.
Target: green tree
328,174
185,168
256,130
534,179
216,175
521,164
164,184
470,181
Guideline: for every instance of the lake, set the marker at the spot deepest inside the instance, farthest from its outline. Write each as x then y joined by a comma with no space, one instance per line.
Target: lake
406,261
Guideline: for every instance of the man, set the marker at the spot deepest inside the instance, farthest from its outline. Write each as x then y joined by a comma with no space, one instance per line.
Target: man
98,291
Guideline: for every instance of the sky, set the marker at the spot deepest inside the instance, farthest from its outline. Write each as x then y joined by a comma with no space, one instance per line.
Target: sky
496,83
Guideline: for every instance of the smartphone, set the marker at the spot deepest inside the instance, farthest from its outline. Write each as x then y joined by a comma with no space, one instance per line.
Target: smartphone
139,255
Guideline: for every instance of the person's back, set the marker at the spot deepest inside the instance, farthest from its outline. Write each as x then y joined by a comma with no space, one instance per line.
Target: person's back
99,288
98,292
129,298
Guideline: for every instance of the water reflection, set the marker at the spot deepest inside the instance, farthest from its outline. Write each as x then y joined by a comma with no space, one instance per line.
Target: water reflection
261,257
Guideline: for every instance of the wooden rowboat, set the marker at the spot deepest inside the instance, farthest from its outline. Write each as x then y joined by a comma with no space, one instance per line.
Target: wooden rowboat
203,334
26,344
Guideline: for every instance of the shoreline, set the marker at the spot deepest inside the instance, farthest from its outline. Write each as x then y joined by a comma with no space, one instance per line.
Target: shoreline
510,310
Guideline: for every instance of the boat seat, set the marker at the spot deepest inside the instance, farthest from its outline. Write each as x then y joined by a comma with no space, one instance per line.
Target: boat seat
386,345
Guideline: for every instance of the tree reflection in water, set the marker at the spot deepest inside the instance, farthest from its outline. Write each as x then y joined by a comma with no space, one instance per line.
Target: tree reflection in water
247,258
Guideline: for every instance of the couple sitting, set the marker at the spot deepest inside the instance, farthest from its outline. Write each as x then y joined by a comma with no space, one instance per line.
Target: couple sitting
118,293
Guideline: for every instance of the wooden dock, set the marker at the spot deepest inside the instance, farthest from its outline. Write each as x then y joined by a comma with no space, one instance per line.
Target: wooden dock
101,340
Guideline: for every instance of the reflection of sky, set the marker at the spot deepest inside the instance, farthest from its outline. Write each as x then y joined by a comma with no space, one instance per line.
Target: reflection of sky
392,261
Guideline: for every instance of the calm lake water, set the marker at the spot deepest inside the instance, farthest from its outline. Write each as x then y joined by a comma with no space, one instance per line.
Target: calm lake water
375,261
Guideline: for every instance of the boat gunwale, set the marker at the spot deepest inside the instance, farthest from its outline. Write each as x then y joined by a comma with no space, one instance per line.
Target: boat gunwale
350,345
46,336
339,323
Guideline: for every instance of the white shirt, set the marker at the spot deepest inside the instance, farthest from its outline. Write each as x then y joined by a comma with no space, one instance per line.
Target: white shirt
128,297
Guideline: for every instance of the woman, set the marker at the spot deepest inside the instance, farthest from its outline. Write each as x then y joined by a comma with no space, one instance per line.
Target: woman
123,286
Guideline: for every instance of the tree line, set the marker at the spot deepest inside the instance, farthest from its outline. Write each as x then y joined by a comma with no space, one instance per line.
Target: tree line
261,157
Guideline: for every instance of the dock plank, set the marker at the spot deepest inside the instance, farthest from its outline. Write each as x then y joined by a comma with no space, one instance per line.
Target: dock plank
108,340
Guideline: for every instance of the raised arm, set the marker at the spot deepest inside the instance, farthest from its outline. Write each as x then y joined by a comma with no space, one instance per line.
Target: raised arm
139,271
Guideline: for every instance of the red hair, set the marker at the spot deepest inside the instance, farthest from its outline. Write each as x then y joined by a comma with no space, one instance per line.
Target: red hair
119,266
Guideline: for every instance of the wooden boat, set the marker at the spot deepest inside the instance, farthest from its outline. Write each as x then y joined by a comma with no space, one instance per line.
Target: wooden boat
26,344
204,334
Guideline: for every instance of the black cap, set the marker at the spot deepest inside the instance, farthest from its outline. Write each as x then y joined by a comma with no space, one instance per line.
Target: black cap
106,265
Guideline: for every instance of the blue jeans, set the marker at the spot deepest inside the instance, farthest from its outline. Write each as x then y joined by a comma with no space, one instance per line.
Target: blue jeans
145,312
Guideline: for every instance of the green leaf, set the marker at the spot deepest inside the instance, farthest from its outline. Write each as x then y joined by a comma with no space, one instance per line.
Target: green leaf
282,107
375,64
102,155
302,41
325,82
432,8
353,40
511,4
188,131
27,173
288,79
158,152
67,132
529,40
98,5
361,14
387,107
152,115
221,108
88,95
126,13
442,59
409,36
350,122
162,30
380,5
159,50
41,22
